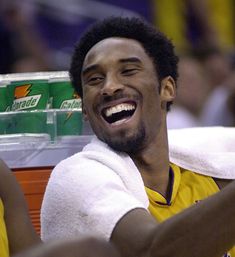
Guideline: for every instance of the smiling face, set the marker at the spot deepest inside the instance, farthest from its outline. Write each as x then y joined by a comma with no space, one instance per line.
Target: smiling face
121,96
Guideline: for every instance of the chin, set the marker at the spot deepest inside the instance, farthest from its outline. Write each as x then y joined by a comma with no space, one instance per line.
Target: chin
129,144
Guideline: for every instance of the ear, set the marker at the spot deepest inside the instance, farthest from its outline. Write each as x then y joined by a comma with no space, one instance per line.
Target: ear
84,112
168,89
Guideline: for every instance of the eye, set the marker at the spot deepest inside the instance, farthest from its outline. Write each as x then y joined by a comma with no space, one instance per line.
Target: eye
94,80
129,71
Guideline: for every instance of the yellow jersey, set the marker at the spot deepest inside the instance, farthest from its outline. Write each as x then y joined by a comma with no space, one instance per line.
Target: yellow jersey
186,189
4,249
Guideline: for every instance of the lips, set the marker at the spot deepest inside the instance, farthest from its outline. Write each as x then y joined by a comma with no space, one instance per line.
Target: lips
118,112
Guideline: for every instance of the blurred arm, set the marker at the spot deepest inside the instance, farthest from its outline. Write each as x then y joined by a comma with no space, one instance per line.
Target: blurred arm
21,233
86,247
205,229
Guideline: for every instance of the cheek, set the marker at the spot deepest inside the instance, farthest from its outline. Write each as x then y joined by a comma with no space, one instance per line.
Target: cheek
152,93
153,105
91,113
89,99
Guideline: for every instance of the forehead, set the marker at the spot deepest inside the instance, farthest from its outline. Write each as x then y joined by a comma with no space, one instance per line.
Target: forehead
112,49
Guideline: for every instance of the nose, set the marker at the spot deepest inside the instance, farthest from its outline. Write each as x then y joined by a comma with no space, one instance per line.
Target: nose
111,86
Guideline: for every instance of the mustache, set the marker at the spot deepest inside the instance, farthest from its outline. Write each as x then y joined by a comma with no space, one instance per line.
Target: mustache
119,95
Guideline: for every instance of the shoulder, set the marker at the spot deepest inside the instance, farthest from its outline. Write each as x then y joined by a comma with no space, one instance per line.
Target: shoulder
200,183
84,194
209,183
204,179
79,168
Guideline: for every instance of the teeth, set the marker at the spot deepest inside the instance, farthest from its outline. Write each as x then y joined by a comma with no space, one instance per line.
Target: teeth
118,108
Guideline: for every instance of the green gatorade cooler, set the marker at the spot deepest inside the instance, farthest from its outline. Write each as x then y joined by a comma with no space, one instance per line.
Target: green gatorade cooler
63,96
3,98
4,106
25,98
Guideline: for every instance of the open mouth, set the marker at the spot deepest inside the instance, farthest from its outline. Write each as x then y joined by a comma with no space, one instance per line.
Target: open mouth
118,113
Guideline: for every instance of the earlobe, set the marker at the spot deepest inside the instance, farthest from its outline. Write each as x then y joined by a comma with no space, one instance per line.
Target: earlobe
168,89
84,113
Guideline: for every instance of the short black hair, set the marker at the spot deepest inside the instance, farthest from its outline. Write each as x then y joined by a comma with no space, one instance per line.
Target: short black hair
155,43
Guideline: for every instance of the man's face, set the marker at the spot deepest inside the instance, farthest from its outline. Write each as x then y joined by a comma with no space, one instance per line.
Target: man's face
121,94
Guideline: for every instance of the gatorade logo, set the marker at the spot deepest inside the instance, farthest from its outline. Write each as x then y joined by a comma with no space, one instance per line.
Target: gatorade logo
22,99
71,104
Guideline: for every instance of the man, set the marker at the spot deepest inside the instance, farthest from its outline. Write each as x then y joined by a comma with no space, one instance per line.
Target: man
126,72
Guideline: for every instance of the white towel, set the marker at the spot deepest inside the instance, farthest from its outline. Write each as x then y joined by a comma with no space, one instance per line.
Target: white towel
120,163
90,191
208,150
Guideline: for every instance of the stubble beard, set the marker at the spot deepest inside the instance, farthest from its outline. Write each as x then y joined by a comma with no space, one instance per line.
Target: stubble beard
129,144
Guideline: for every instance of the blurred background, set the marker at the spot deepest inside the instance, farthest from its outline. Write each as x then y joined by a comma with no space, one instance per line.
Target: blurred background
39,35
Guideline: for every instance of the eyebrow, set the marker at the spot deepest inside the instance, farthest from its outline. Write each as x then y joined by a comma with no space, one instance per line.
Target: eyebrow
131,59
89,68
125,60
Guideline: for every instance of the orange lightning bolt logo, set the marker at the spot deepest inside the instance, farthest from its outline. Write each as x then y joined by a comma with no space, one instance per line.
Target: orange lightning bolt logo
22,91
69,114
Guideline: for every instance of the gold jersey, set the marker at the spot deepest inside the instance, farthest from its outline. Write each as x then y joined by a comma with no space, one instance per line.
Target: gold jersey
186,188
4,250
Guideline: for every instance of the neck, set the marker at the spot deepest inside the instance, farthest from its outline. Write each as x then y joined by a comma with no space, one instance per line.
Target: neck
153,163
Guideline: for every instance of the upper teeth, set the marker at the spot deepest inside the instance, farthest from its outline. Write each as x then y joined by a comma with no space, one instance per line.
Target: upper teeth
118,108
